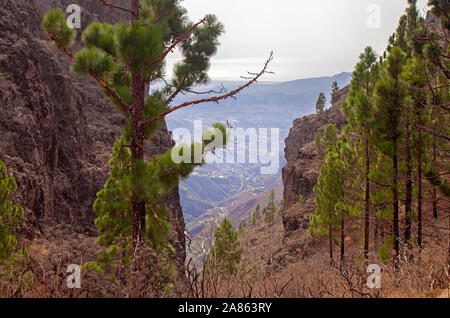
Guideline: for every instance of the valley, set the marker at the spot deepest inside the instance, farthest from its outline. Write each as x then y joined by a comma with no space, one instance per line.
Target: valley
232,190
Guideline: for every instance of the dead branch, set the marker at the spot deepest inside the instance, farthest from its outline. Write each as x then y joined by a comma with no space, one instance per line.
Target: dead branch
432,132
106,3
178,40
213,99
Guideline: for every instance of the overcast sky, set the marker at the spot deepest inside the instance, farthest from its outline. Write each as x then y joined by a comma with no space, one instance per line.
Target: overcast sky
310,38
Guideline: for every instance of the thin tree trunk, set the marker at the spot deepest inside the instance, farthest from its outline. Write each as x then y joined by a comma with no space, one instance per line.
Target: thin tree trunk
330,231
137,141
408,194
342,241
434,191
375,234
367,201
448,251
395,229
419,177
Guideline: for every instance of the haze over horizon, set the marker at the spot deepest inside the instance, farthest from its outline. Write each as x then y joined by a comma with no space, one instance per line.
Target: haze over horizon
310,39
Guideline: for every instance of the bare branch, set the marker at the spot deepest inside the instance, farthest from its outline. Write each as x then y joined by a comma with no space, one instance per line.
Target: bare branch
158,18
432,132
106,3
178,40
213,99
178,90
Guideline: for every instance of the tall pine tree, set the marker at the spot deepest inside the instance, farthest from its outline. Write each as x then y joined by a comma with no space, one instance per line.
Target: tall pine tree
389,106
126,59
359,112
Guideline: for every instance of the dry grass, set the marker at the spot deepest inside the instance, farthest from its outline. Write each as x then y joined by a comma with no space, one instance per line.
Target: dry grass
299,267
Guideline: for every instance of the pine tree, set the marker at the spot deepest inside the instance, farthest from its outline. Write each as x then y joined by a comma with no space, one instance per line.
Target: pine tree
281,211
334,91
328,192
417,97
241,228
270,210
335,182
126,59
358,110
226,253
10,214
318,141
328,139
389,106
13,261
255,216
320,104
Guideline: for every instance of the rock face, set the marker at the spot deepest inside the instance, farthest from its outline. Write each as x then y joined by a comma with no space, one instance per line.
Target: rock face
57,129
303,162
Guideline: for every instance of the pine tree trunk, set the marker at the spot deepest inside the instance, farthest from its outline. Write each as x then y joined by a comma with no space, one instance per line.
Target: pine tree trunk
375,234
434,191
342,241
448,251
395,229
367,202
330,236
137,141
137,152
419,177
408,194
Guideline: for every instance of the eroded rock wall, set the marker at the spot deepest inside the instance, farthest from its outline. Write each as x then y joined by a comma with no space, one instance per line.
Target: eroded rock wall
57,129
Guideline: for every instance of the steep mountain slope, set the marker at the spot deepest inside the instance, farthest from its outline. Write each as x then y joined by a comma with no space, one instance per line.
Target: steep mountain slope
57,129
303,167
296,181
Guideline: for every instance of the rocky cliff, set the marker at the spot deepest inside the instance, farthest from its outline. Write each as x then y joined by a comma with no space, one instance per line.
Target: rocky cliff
303,163
57,129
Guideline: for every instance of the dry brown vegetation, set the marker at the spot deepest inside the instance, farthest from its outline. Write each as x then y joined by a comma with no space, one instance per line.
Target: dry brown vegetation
273,266
299,267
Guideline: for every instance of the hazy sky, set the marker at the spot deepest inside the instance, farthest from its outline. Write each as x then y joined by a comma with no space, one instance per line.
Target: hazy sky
310,38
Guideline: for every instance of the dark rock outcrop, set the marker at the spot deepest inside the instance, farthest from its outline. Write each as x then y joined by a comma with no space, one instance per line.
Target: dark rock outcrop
57,129
303,163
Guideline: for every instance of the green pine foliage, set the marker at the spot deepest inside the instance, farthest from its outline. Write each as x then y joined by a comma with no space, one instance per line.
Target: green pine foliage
10,214
150,182
225,255
14,273
55,24
334,91
329,138
126,58
270,210
320,104
395,110
255,216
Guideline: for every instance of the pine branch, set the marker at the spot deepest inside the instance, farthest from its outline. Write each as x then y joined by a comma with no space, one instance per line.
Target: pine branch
178,90
106,3
178,40
158,18
432,132
99,80
214,99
